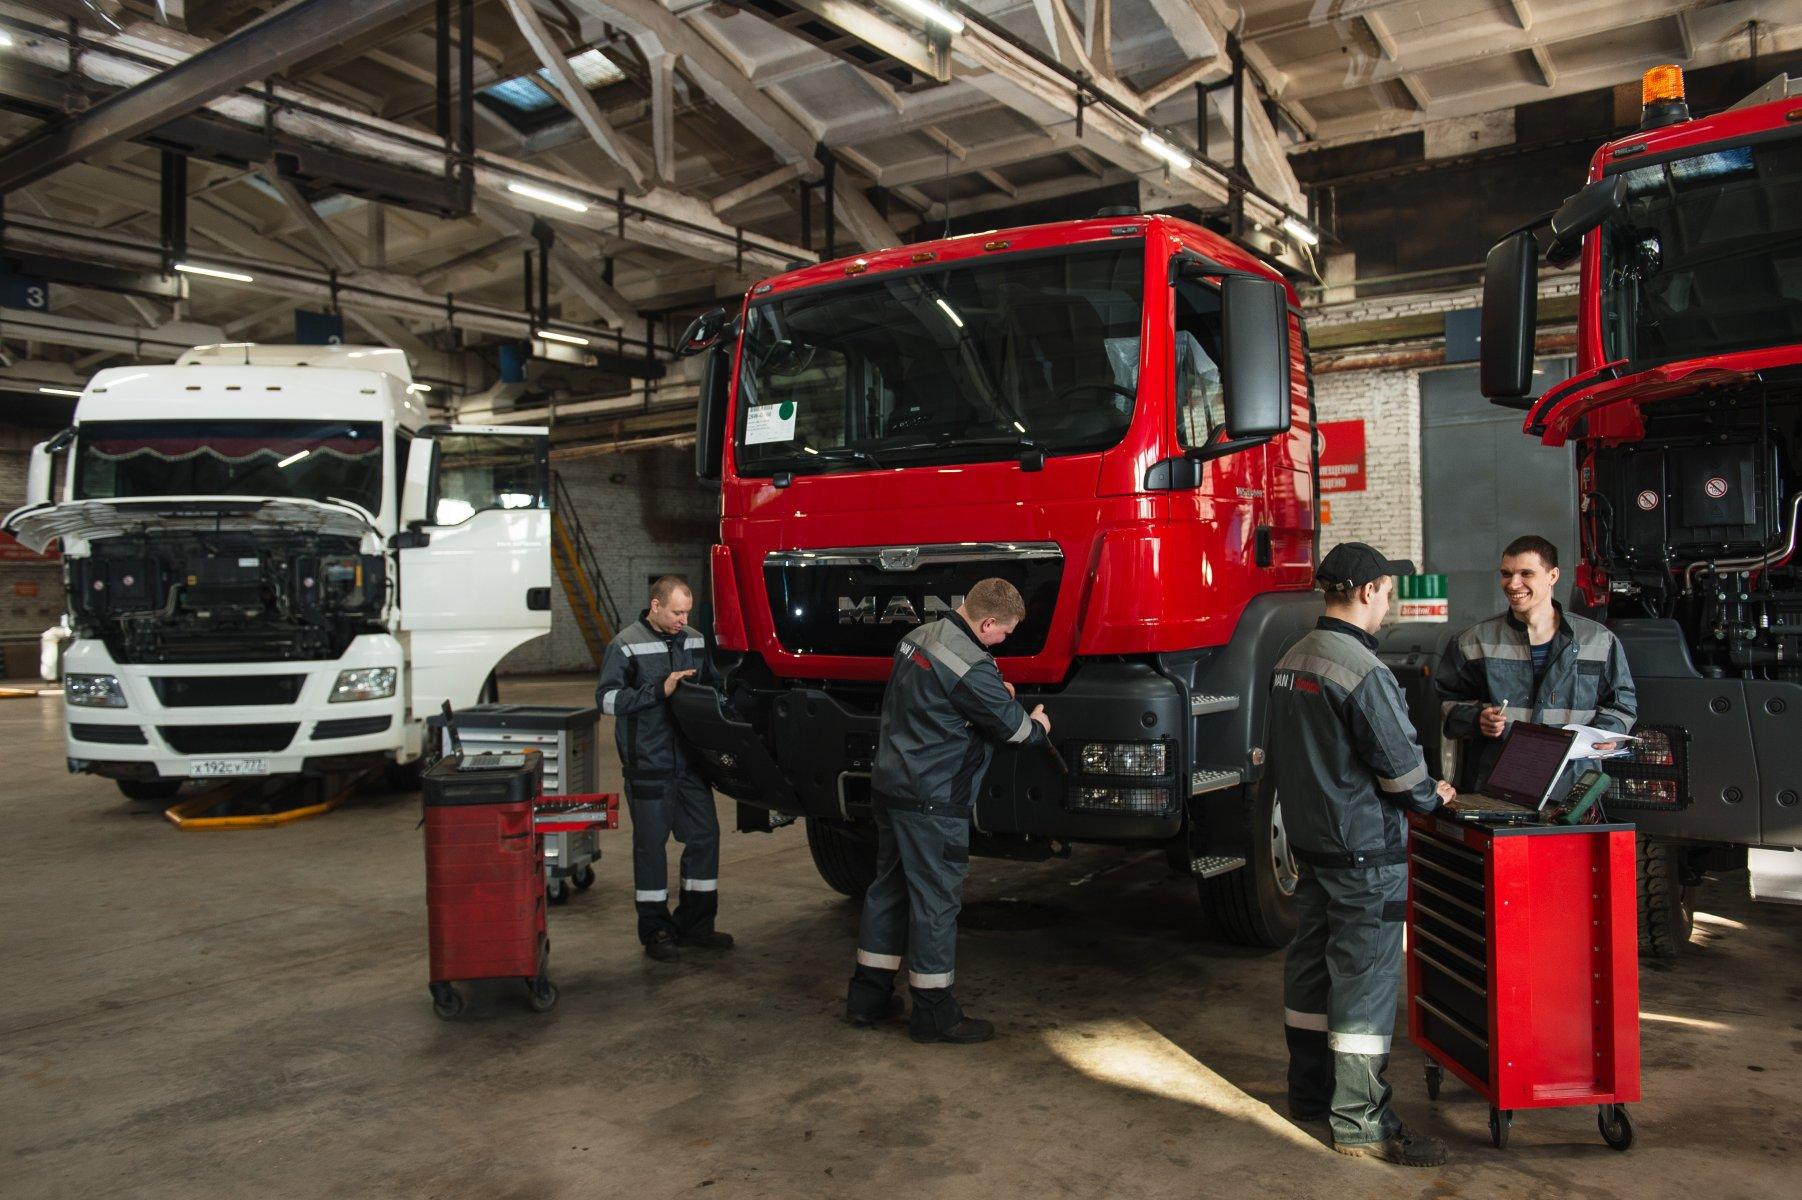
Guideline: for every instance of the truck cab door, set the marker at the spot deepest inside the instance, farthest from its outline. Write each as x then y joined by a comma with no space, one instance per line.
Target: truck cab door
474,555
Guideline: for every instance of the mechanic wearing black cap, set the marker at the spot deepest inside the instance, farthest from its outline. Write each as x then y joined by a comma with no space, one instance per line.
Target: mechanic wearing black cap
1350,766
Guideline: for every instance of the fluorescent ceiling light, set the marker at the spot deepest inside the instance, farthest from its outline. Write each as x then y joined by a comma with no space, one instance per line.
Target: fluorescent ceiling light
1300,232
1165,150
950,312
591,67
292,458
548,197
418,387
6,39
1020,427
934,14
554,336
56,391
214,273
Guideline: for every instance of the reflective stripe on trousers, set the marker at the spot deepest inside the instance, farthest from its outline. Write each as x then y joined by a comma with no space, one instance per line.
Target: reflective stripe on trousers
683,806
911,909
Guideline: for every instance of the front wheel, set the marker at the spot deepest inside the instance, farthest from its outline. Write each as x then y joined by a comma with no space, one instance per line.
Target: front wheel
1255,904
1665,916
845,861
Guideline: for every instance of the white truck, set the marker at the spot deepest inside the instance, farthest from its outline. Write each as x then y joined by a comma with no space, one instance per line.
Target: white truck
275,564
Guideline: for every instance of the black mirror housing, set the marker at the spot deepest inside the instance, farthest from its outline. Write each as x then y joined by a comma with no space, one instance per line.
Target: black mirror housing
1581,213
1510,316
704,332
1255,345
710,413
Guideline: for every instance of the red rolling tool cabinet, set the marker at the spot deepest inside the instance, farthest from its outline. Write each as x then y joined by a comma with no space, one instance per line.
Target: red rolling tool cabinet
1523,968
484,881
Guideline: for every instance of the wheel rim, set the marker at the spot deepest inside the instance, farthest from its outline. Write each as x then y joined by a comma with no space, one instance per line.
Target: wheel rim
1282,858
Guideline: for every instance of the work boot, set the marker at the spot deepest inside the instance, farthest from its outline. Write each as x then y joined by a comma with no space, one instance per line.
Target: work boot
967,1032
891,1010
662,947
1404,1148
712,940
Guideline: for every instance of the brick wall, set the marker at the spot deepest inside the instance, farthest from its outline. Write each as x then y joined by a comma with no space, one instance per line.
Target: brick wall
646,515
1387,513
31,593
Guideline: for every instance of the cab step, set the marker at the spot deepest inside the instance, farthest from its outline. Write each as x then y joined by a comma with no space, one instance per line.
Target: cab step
1210,865
1201,706
1214,779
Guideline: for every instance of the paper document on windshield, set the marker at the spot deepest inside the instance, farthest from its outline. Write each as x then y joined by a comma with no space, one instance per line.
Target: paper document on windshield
1584,745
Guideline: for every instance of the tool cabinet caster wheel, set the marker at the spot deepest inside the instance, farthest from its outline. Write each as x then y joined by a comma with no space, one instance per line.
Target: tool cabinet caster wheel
541,995
447,1002
1435,1076
1616,1125
1499,1121
557,891
584,877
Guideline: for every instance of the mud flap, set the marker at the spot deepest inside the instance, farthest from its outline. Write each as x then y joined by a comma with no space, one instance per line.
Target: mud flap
730,754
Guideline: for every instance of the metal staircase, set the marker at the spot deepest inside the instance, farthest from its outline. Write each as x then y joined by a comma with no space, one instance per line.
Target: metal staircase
572,554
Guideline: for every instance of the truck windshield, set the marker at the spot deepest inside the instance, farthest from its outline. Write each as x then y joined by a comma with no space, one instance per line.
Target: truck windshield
308,460
959,364
1706,257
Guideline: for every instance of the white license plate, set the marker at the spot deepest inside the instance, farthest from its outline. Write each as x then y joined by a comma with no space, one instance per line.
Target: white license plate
216,768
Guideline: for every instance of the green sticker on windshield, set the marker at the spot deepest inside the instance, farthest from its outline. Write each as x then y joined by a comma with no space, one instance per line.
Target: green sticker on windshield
788,410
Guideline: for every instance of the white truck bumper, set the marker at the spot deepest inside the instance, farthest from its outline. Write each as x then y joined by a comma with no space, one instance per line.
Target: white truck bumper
221,719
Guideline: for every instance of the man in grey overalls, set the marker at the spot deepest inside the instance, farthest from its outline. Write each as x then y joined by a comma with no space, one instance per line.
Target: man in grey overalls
1347,769
1534,662
945,708
644,663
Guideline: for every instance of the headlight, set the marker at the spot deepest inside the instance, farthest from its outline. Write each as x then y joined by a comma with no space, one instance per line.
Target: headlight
1125,758
93,691
1142,801
363,683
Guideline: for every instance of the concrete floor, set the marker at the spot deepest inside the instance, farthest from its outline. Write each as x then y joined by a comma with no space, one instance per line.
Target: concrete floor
235,1014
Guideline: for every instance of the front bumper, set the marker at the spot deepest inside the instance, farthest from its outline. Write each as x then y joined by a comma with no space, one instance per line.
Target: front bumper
812,754
293,727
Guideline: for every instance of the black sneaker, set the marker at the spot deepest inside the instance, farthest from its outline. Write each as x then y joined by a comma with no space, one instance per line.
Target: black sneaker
890,1011
966,1032
705,941
1405,1148
662,947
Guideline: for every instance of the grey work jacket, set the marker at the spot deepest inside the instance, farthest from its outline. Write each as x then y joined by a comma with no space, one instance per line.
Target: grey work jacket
1346,760
1586,680
651,752
945,707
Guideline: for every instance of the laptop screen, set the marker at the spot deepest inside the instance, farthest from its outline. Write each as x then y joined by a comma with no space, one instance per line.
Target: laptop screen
1529,763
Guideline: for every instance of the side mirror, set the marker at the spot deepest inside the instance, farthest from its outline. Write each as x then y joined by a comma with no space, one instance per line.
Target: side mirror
710,413
1255,344
416,488
1510,317
40,473
704,332
1581,213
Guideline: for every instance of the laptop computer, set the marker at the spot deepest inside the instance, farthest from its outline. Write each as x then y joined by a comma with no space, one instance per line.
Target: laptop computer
1531,761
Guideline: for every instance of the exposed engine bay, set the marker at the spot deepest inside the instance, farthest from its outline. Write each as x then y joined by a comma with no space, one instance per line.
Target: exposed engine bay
1697,522
195,596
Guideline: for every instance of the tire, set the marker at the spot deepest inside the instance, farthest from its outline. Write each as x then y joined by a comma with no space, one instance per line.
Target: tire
1665,916
447,1002
1616,1126
1435,1077
558,891
405,777
147,791
1501,1120
847,863
1255,904
541,995
584,877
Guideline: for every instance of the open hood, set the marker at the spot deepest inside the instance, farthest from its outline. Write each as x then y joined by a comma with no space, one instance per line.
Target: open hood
37,526
1555,415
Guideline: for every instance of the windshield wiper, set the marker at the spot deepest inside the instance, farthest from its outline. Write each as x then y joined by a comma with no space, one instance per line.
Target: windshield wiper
840,453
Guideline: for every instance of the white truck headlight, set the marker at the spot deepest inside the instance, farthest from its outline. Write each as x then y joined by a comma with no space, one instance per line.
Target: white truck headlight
1125,758
93,691
363,683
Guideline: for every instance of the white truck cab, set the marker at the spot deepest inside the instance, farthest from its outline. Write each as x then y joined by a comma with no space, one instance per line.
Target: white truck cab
275,564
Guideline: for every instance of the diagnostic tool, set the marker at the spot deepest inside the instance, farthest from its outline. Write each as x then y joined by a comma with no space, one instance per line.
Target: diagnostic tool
1576,805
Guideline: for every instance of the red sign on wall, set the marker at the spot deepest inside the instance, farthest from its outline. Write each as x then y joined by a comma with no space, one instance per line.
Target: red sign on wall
1342,456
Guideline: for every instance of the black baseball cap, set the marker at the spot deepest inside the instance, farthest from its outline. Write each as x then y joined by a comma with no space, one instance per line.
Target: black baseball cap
1357,564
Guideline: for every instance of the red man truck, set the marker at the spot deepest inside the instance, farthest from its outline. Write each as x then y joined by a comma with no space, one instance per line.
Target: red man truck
1113,414
1685,413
